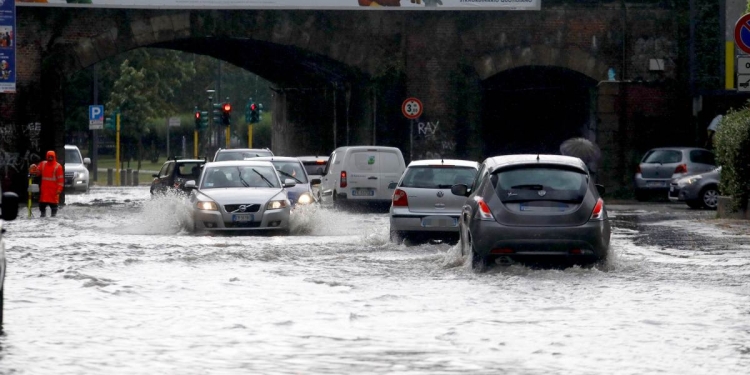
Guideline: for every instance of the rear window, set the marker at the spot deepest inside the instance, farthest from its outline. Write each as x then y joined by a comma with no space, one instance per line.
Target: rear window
241,155
663,157
702,157
437,177
189,170
314,167
544,183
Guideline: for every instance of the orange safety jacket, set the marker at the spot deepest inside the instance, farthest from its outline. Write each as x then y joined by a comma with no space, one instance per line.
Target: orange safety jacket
53,180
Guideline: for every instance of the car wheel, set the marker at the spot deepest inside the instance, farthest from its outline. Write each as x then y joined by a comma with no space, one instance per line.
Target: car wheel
397,237
641,195
478,262
710,197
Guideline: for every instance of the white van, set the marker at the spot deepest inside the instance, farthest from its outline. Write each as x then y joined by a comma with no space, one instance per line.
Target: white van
362,174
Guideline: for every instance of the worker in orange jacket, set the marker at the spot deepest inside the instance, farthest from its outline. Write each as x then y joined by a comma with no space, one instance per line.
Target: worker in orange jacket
52,184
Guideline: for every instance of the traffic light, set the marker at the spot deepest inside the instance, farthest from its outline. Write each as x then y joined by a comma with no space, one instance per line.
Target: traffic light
226,114
110,123
198,118
255,112
204,119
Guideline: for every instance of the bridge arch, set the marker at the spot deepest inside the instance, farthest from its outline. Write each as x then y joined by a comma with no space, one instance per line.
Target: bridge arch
570,57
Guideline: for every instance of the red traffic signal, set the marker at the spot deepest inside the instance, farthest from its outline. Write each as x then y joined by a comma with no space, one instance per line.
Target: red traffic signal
253,107
227,107
197,115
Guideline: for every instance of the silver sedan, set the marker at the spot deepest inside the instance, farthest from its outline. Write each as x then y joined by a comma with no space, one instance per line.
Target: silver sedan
240,196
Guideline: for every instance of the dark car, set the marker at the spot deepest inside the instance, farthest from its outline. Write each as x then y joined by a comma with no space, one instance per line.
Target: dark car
175,173
698,190
533,209
226,154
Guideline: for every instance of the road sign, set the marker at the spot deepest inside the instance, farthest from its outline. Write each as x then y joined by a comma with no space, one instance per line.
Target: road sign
174,121
743,65
742,33
96,117
743,82
412,108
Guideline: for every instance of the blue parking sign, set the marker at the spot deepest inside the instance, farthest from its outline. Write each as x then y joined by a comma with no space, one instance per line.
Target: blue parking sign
96,117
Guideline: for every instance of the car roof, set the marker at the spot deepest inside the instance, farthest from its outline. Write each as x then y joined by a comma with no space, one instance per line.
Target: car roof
71,146
188,160
679,148
368,148
505,161
242,150
456,162
230,163
276,158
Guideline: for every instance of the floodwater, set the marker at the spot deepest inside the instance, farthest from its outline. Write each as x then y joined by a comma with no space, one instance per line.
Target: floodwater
116,285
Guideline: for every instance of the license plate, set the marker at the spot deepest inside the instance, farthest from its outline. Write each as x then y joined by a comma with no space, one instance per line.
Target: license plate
363,192
242,218
431,222
656,184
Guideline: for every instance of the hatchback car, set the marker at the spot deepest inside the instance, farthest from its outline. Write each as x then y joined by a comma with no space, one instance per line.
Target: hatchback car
697,191
533,208
174,174
289,167
224,154
660,166
240,196
422,204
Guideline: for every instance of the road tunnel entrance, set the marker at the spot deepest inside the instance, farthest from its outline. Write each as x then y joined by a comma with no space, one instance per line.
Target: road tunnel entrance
533,109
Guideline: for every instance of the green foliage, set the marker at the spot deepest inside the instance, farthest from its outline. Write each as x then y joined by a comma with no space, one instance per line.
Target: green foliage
732,142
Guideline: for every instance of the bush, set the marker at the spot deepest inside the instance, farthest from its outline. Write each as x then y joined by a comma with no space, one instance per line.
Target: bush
732,141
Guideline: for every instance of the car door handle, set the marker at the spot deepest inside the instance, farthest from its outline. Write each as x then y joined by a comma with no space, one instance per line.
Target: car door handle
372,178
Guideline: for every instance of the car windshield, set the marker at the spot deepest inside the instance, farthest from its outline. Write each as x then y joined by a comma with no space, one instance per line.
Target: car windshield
189,170
437,177
241,155
663,157
73,157
315,167
290,169
545,183
236,176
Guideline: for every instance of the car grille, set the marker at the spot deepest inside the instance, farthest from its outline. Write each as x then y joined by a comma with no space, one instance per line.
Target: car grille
248,224
248,208
69,174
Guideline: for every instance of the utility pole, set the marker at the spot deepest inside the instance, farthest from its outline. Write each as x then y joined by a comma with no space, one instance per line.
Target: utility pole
95,133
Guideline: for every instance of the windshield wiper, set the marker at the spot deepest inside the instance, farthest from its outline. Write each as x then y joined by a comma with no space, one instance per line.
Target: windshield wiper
242,179
288,175
528,187
264,178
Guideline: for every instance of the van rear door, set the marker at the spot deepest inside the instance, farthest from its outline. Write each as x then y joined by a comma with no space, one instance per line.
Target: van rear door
363,173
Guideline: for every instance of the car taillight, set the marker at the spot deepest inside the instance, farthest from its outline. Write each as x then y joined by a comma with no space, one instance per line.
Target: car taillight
484,210
682,168
342,183
400,199
638,169
598,213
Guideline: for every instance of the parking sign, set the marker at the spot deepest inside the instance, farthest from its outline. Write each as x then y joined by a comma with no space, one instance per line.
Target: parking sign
96,117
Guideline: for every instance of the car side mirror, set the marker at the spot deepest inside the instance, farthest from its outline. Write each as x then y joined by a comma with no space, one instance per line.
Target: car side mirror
289,183
315,181
600,189
461,190
190,184
86,161
392,185
10,206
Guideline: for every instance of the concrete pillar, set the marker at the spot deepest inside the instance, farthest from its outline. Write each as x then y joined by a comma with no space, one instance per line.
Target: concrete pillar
110,176
136,178
128,177
123,177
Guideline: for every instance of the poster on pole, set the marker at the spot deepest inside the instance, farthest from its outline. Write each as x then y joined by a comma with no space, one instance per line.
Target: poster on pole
7,46
298,4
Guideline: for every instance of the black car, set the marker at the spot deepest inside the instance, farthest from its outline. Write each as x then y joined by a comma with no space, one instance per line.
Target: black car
175,173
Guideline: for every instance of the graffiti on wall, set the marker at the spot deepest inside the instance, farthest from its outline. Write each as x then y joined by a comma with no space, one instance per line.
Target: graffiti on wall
432,143
13,160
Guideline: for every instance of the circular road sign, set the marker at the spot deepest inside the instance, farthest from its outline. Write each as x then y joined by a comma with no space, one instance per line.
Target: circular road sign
412,108
742,33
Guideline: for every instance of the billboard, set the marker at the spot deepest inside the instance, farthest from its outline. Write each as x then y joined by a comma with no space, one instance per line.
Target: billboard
296,4
7,46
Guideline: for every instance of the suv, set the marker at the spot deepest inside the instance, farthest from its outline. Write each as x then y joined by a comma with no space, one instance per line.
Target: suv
76,171
660,166
240,153
175,173
9,207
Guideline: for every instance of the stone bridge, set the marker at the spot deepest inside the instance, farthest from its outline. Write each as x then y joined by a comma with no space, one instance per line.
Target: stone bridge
491,81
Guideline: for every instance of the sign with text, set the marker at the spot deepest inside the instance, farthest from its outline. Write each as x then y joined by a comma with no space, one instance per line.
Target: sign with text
96,117
299,4
174,122
7,46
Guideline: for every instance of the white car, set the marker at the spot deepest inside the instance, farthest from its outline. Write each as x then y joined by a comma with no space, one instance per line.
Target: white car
423,205
76,172
9,207
240,196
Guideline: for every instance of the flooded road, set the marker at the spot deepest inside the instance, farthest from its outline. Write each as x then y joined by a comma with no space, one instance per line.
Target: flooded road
117,285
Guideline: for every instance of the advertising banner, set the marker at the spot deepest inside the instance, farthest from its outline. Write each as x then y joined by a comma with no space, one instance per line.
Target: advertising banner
297,4
7,46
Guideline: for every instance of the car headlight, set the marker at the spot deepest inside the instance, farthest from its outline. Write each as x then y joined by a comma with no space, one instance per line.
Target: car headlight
275,205
76,175
689,180
305,198
207,206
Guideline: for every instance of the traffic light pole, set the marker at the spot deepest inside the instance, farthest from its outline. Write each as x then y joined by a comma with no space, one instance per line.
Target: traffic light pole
195,143
249,135
226,135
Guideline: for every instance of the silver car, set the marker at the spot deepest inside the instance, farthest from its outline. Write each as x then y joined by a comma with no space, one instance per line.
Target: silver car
533,208
660,166
240,196
698,190
422,205
225,154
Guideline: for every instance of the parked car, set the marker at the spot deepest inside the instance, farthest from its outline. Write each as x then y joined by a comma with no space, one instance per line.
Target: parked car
289,167
174,174
76,170
361,174
240,195
422,205
660,166
698,190
314,166
224,154
533,208
9,208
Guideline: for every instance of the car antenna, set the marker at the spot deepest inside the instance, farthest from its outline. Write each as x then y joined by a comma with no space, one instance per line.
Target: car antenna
442,161
537,157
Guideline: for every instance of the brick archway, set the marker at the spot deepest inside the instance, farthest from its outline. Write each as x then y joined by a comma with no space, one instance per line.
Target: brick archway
572,58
